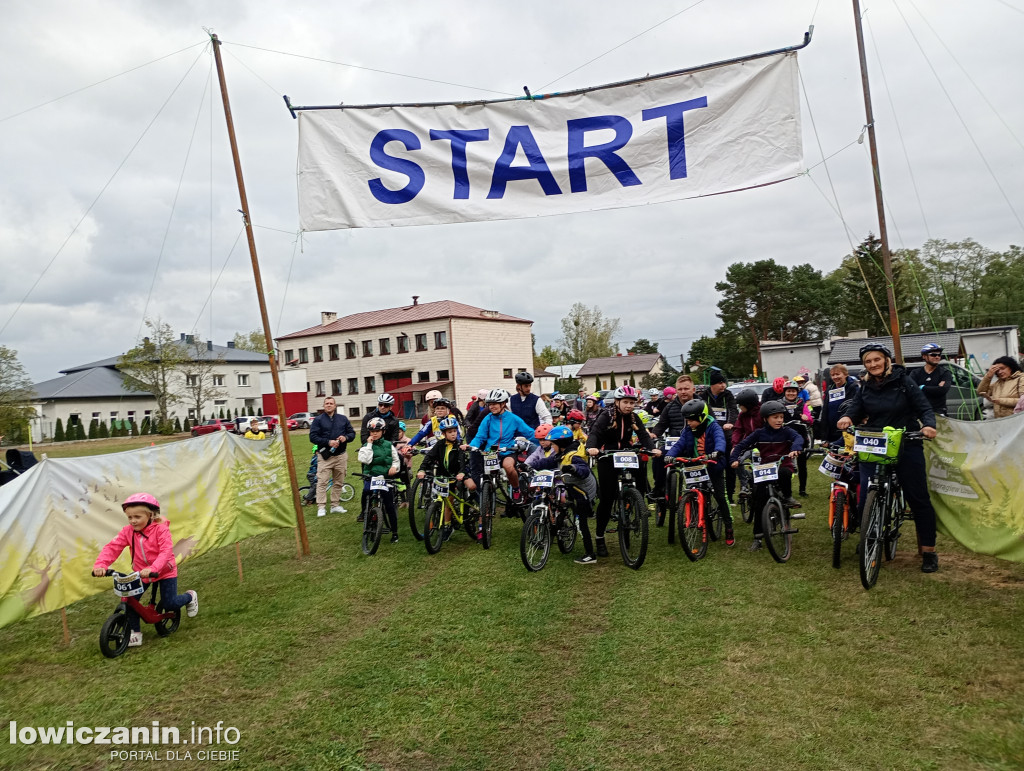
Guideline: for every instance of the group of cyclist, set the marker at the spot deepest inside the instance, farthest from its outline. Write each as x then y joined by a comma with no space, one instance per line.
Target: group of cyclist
576,435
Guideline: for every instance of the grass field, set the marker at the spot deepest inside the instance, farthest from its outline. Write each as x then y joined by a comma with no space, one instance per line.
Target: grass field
465,660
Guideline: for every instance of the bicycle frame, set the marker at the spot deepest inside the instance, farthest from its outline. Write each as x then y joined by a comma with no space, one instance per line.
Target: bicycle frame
147,613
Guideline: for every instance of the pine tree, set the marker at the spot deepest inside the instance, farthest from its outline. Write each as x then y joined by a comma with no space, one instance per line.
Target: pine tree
93,429
186,426
103,433
259,412
611,382
221,414
135,428
597,383
177,425
79,431
250,410
58,432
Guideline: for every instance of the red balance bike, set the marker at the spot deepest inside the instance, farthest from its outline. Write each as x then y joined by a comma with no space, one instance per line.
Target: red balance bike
115,632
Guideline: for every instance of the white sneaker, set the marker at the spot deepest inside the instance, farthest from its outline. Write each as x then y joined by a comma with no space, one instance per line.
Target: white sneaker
193,607
337,509
321,511
135,640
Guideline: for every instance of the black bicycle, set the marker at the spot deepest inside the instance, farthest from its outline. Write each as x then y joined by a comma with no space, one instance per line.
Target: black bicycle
776,529
629,510
373,519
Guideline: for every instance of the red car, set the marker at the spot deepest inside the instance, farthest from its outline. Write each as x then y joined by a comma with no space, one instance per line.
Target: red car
274,420
212,426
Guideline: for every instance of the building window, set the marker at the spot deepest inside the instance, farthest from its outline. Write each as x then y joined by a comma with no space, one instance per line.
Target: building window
350,350
146,414
385,346
131,415
243,380
422,377
507,373
521,369
320,388
303,356
318,353
367,347
332,351
371,385
353,412
289,354
217,402
421,342
442,374
114,414
191,380
353,385
403,344
335,387
440,340
218,380
191,413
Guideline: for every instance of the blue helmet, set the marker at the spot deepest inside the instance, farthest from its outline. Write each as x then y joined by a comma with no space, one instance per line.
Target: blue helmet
931,348
561,436
447,423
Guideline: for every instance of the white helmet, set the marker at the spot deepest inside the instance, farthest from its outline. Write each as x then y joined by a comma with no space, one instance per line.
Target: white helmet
654,393
482,394
431,395
385,399
498,395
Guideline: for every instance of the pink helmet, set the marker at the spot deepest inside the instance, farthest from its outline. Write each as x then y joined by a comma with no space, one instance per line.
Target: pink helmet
482,394
144,499
669,392
626,392
432,395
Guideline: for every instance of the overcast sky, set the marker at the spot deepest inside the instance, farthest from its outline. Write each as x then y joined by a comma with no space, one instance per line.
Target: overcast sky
654,267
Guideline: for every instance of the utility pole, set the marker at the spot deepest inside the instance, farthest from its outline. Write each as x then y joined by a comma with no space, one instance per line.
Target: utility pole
302,541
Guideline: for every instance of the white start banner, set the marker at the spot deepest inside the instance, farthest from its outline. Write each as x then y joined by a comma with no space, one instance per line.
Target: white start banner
703,132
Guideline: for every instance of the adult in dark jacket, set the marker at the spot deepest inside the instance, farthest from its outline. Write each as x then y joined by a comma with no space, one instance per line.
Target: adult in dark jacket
934,378
614,430
839,392
775,392
722,405
331,432
889,398
385,411
671,423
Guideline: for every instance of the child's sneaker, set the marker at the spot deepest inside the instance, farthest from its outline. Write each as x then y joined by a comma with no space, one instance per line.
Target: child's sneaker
135,640
321,511
394,538
586,559
193,606
730,538
755,545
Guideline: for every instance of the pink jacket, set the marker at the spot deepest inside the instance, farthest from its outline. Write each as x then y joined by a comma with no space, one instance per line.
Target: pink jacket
153,550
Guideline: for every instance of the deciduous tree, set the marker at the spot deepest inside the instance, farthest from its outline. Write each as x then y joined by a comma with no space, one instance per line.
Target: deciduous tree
587,334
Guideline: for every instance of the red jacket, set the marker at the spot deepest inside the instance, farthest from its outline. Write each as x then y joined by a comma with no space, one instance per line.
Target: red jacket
746,424
152,550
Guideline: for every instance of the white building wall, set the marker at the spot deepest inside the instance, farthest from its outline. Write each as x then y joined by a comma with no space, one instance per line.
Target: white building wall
488,354
787,360
987,346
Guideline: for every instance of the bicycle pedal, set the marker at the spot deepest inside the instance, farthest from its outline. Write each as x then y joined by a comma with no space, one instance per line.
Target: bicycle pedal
798,515
791,531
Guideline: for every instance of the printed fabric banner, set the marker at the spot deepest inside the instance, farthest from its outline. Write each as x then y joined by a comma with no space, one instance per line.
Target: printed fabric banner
656,139
976,474
54,519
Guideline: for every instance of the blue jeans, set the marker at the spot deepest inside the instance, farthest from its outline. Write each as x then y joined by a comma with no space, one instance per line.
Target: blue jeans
169,600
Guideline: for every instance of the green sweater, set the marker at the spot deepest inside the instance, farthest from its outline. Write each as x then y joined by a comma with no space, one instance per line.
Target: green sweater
381,463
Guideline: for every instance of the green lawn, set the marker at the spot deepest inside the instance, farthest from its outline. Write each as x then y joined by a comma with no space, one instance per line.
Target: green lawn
465,660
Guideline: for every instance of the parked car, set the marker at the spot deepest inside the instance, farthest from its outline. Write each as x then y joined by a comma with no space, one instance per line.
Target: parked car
212,426
241,424
273,421
302,419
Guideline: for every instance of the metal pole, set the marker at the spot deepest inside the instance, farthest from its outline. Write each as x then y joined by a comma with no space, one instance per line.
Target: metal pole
894,324
272,359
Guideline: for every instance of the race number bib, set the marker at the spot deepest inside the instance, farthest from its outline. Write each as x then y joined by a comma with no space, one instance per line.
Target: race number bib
831,466
766,472
491,462
440,487
431,442
378,483
694,475
871,442
719,413
625,460
670,441
836,395
543,479
129,586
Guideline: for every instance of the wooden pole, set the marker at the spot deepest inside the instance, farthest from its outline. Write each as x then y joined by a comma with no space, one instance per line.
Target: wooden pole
302,541
238,556
890,292
64,623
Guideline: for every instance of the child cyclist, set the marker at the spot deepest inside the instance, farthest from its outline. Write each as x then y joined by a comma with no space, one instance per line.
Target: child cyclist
797,408
148,537
432,428
773,441
748,403
446,459
704,436
574,420
380,458
545,449
500,429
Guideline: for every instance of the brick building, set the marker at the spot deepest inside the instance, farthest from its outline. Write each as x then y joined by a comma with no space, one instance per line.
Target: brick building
407,351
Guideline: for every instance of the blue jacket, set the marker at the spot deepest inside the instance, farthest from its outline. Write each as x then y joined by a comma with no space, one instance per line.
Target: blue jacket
714,441
325,428
501,430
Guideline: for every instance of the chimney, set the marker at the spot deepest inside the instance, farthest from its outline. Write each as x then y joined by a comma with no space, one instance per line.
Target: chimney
326,317
415,299
209,345
950,323
231,343
183,337
190,339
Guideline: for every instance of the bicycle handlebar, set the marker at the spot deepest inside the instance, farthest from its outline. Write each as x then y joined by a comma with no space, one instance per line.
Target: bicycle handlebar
690,461
110,572
906,434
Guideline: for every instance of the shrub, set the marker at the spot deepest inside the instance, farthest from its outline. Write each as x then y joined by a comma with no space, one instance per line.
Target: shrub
177,425
93,429
58,432
79,431
103,433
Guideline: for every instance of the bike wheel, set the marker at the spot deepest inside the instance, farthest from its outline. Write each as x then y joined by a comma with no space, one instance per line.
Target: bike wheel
347,492
838,508
114,635
714,517
632,518
373,526
872,535
567,532
746,509
417,506
168,626
893,524
307,495
774,524
535,540
433,527
487,503
692,537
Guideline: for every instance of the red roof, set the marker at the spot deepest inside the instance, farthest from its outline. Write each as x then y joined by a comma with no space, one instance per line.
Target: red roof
442,309
418,387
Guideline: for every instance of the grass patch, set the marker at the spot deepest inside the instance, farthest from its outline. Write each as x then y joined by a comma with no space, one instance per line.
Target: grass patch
464,660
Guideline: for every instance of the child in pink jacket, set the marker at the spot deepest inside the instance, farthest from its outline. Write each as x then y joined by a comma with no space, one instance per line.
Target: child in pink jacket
148,536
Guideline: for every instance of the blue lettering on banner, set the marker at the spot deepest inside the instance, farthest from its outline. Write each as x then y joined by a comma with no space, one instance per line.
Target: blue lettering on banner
505,172
673,115
606,153
459,139
404,166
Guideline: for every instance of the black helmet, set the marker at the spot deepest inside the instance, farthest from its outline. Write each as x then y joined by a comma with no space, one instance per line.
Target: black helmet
522,378
772,407
747,398
695,409
875,347
442,402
